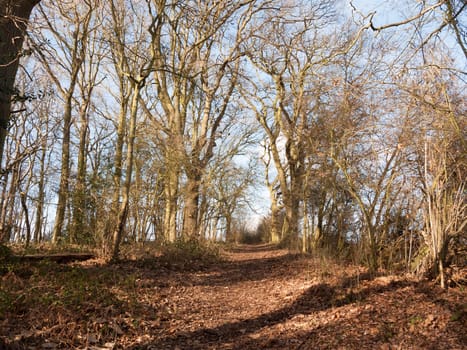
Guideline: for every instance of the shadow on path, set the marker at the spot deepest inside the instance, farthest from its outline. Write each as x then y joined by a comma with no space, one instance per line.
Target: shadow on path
317,298
254,248
233,272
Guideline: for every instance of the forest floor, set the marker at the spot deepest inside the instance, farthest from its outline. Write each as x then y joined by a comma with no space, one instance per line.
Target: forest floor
256,297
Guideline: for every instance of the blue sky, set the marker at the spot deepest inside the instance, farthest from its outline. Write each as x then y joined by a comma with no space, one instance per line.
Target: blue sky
385,12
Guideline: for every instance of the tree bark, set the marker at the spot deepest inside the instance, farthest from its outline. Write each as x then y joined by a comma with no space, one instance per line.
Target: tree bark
78,231
14,16
24,205
192,194
171,199
65,168
275,234
41,194
124,206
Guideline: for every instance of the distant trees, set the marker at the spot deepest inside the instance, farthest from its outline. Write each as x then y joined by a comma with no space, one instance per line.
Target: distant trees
356,139
195,75
70,53
284,52
190,126
137,123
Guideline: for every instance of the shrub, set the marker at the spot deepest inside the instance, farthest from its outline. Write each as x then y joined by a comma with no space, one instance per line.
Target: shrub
190,252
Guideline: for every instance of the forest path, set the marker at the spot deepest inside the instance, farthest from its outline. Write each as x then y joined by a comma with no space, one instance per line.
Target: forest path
262,297
258,297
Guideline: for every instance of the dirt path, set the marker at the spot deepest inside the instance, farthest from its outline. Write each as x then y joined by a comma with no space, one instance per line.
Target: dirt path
259,298
264,298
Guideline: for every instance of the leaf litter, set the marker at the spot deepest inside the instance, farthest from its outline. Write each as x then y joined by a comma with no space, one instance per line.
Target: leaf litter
257,297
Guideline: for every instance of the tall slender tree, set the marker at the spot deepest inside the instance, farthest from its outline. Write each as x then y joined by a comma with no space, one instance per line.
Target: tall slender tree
73,46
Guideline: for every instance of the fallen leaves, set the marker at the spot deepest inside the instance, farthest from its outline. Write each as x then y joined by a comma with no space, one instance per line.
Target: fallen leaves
259,298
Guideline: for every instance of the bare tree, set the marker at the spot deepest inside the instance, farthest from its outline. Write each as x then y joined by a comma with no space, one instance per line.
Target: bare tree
132,72
73,46
87,82
445,14
438,109
284,51
43,132
195,73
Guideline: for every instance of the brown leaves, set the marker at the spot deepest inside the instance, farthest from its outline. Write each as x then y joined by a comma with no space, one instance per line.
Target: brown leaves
260,298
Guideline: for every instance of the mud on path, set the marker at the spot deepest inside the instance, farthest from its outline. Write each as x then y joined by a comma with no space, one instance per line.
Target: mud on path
259,297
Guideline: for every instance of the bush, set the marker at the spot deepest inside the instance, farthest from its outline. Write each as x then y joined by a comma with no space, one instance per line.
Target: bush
251,238
6,259
190,252
5,253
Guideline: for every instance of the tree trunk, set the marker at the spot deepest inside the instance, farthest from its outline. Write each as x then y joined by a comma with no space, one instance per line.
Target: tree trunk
78,232
124,207
118,159
306,227
24,205
290,228
65,171
190,223
14,16
372,254
9,206
170,212
275,235
318,233
41,192
3,208
229,235
292,197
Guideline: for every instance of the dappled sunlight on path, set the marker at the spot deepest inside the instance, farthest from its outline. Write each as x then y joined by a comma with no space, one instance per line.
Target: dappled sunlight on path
258,297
